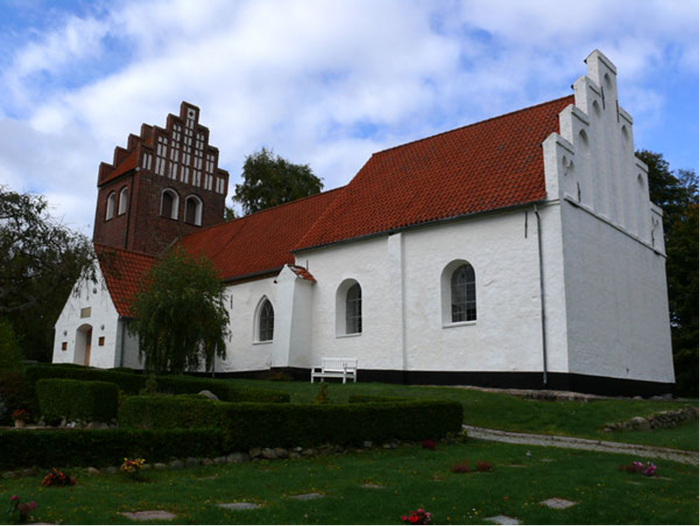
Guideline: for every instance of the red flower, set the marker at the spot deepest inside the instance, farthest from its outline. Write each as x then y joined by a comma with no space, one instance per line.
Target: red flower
414,518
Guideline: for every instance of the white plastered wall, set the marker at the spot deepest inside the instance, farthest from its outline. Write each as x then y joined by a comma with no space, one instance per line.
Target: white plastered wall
291,298
613,255
75,318
403,324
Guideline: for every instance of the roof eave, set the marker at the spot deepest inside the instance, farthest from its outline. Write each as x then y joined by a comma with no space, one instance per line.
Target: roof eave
432,222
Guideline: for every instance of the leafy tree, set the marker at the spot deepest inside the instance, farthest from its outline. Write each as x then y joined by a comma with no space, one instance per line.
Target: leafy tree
40,260
181,319
676,192
673,191
270,181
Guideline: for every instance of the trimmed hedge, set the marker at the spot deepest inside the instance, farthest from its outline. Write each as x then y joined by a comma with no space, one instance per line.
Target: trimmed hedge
274,425
75,400
130,383
133,383
224,389
104,447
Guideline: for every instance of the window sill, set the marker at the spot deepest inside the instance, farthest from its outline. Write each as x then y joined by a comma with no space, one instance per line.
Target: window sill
266,342
353,335
458,324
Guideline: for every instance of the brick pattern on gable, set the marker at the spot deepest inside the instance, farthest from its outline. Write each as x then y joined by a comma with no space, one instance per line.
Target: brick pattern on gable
184,146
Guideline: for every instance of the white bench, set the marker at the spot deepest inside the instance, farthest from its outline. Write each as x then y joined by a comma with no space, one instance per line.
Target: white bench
344,368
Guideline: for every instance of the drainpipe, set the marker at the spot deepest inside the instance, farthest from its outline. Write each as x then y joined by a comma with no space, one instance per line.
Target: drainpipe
121,346
542,313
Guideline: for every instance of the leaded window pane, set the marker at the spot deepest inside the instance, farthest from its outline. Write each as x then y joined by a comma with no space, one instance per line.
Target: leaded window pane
463,287
353,310
267,322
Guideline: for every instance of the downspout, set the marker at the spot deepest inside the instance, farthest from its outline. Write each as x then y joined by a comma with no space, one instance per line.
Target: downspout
121,346
542,310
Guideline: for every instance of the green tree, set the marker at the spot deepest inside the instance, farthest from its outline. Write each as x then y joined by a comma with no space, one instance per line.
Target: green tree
270,180
676,192
672,190
181,319
40,261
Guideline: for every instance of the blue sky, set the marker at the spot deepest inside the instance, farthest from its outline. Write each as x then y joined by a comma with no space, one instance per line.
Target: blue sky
321,82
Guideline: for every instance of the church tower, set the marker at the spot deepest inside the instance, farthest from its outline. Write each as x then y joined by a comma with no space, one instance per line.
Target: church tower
164,185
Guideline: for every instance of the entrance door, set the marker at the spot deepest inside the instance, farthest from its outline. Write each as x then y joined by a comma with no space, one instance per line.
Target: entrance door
88,344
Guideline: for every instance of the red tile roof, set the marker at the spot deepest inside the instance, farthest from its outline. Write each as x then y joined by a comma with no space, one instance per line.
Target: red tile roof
302,273
489,165
127,164
259,242
496,163
122,270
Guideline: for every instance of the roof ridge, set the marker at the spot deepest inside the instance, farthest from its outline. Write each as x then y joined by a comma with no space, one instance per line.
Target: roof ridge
293,202
276,207
119,249
495,117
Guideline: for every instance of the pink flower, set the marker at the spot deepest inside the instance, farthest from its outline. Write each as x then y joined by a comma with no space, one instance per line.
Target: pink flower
14,498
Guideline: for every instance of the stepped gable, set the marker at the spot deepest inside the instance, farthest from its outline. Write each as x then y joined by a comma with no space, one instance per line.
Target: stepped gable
126,159
259,243
122,271
493,164
142,148
164,185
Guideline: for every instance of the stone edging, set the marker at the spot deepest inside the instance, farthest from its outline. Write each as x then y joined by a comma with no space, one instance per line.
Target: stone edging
676,455
661,420
252,455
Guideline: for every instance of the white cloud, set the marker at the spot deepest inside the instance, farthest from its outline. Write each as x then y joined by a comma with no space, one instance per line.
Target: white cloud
321,82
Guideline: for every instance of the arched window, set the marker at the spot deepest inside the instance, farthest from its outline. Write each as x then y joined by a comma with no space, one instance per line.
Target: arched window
353,310
458,285
111,198
123,200
169,204
463,293
348,308
193,210
266,322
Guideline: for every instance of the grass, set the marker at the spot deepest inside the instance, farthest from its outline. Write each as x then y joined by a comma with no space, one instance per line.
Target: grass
411,478
512,413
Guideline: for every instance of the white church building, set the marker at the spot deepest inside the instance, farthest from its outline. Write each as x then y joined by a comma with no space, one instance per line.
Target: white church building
520,251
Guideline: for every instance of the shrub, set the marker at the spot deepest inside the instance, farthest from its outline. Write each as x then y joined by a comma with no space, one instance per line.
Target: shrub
685,363
10,350
283,425
133,383
48,448
15,393
224,389
74,400
130,383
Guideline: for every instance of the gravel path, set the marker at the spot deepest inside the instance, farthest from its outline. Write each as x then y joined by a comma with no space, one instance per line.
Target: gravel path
677,455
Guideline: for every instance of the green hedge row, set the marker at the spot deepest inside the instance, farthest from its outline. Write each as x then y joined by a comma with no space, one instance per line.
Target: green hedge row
224,389
128,382
272,425
133,383
104,447
77,400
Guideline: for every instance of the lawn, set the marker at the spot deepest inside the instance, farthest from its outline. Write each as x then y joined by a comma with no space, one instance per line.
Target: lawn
512,413
410,477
